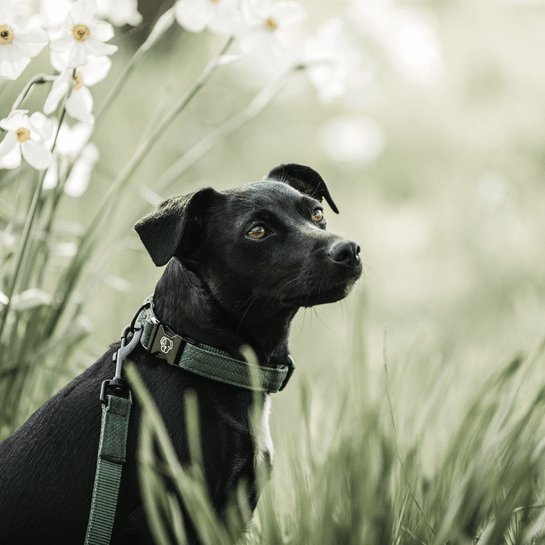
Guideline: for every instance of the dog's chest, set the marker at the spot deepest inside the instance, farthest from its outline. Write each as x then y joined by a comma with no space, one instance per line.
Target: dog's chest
264,449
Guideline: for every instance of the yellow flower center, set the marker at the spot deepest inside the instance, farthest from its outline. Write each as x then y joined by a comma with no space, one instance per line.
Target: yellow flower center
6,35
271,23
78,81
81,32
22,135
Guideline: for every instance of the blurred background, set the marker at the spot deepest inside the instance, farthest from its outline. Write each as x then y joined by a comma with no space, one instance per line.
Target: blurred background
433,145
435,155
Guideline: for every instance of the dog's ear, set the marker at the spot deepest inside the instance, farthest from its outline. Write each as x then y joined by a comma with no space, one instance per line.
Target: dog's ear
304,179
167,231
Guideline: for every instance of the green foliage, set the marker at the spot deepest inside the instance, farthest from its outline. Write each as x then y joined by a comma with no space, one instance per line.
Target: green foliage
353,477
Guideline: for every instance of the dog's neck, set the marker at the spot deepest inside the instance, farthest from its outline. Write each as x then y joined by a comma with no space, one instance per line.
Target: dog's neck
184,303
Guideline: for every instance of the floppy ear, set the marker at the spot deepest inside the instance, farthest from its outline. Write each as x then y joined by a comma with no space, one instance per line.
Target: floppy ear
166,232
304,179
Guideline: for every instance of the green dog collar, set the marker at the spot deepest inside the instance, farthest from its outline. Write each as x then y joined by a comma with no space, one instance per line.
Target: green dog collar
209,362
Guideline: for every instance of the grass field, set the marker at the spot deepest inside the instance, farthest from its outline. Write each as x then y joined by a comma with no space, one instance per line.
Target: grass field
416,412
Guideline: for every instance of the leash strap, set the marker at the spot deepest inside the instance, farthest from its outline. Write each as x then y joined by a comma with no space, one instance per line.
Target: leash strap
207,361
112,452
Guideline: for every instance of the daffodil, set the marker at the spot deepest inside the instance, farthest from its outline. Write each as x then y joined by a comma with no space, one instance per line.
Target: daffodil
219,16
75,157
27,136
266,25
331,60
120,12
80,175
17,45
82,36
42,13
79,103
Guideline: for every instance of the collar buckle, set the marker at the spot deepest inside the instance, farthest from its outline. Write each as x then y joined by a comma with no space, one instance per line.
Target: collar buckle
165,344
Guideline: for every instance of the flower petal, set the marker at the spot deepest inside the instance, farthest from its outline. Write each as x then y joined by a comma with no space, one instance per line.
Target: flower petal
72,139
5,11
98,49
226,19
78,54
122,12
41,125
11,159
16,119
79,177
83,11
31,40
36,154
193,15
80,105
102,31
12,62
288,13
95,70
9,142
262,42
51,178
61,43
58,90
53,13
255,10
59,60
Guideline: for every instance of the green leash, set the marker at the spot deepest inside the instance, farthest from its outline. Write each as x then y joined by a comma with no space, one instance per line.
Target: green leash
116,399
111,457
179,351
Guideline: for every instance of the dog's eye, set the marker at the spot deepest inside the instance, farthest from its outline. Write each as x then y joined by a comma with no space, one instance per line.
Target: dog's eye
317,215
257,232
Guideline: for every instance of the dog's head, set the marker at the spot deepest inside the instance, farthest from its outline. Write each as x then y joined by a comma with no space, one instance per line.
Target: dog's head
265,241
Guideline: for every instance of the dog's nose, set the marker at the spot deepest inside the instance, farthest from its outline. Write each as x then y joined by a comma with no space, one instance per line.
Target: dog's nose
345,252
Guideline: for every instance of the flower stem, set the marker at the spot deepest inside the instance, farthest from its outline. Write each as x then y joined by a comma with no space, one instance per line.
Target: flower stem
22,251
147,144
110,198
38,79
256,106
161,26
29,222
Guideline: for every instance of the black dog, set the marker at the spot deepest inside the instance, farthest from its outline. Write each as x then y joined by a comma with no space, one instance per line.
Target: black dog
241,263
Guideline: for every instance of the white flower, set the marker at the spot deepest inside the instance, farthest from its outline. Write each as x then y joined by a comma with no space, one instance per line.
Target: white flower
74,152
42,13
82,36
219,16
408,36
31,298
331,60
79,103
120,12
17,45
80,175
267,23
26,136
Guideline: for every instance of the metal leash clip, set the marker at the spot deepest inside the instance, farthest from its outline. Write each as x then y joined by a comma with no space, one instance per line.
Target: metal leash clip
118,385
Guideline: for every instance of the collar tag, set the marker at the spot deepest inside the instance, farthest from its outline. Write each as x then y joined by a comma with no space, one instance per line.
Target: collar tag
165,344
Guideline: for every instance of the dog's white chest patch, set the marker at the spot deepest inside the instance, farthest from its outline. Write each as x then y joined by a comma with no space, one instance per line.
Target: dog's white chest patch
264,445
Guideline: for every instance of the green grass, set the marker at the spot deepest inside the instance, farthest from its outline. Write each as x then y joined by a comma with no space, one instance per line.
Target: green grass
348,472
